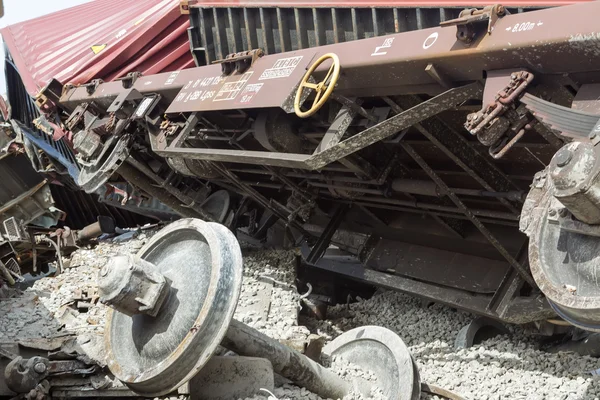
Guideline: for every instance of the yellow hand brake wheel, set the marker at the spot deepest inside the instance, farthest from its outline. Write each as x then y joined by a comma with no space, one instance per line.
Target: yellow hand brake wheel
323,89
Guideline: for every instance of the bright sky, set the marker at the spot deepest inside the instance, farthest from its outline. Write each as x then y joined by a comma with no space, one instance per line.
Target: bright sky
22,10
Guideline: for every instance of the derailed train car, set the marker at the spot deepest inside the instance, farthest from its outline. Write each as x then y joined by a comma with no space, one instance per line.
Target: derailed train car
37,163
26,205
36,53
456,163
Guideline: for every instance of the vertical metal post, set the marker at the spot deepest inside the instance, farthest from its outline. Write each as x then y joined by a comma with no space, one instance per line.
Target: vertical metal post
325,239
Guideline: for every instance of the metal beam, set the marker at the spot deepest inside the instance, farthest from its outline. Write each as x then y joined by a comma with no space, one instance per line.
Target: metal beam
510,285
163,183
447,100
338,129
139,180
325,239
521,310
270,205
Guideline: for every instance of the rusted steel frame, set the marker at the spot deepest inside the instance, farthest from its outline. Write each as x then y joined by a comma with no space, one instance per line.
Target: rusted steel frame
383,175
520,310
301,29
259,198
462,162
469,192
547,134
137,178
320,177
344,179
351,104
190,123
430,133
193,120
163,183
379,192
338,128
266,28
300,191
314,177
203,42
285,180
324,240
508,289
410,206
429,188
449,228
369,136
276,186
412,43
418,204
385,129
510,285
285,40
359,166
488,235
276,174
15,202
427,212
234,21
309,176
526,178
221,36
374,202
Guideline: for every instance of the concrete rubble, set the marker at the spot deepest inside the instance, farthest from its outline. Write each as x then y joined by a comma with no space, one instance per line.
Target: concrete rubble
507,366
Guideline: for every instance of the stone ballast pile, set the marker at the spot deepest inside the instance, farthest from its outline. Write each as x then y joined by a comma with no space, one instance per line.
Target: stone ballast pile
506,367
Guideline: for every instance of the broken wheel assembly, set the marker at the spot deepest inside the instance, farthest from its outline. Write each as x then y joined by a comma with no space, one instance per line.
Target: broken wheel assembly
173,305
381,351
564,246
202,265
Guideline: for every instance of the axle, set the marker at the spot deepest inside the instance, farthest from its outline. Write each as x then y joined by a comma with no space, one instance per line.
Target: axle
288,363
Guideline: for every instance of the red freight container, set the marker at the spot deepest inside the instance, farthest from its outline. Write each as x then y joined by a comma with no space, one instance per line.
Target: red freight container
221,27
375,3
102,39
108,38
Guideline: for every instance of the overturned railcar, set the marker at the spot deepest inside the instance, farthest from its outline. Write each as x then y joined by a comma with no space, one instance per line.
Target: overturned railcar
151,39
457,163
26,208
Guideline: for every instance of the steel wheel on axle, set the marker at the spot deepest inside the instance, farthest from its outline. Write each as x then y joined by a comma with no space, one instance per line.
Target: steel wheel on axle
382,352
202,263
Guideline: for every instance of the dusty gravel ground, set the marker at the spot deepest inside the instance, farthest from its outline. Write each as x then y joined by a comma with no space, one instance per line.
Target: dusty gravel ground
506,367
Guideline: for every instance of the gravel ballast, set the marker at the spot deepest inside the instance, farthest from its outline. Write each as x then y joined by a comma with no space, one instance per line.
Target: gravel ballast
506,367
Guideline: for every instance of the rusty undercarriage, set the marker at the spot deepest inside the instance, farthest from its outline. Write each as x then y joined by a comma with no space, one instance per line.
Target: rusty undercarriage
426,161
